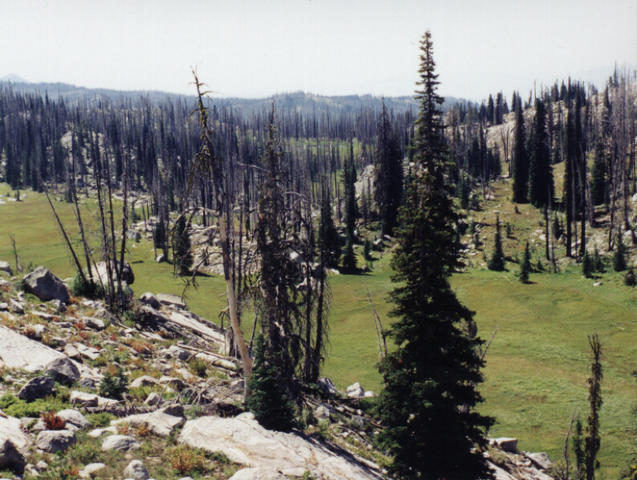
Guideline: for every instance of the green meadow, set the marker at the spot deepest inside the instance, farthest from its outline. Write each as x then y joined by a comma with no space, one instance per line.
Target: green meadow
537,364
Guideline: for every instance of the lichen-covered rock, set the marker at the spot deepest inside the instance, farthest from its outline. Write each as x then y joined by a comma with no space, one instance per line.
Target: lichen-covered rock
63,370
120,443
136,470
55,440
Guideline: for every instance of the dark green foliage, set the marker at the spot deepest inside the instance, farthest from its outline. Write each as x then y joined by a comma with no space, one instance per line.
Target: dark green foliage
520,160
540,170
367,250
182,256
114,385
598,183
497,258
587,265
629,279
525,265
84,287
429,397
268,398
619,258
598,263
389,173
329,241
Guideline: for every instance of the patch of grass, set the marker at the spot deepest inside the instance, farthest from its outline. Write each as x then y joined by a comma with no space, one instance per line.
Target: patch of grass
15,407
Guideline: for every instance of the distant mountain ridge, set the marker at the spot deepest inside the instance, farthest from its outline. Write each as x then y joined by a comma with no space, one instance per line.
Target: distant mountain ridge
293,101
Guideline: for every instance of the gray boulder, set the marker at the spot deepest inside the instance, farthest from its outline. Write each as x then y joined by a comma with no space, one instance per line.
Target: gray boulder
74,418
46,286
258,474
38,387
121,443
149,299
63,370
5,267
10,457
102,273
355,391
136,470
55,440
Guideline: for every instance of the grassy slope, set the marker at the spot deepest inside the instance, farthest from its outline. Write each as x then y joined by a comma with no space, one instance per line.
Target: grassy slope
537,365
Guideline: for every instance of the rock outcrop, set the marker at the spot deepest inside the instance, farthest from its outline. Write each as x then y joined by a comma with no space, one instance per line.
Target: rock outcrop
244,441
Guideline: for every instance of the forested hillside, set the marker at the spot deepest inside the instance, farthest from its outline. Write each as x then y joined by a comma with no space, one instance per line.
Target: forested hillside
278,217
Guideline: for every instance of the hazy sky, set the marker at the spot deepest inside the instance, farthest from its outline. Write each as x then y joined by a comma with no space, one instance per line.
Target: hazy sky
256,48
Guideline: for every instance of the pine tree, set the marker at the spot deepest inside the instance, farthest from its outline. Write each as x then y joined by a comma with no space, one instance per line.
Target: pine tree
525,265
619,258
329,241
587,265
520,160
497,259
389,177
182,256
429,397
598,183
268,399
540,170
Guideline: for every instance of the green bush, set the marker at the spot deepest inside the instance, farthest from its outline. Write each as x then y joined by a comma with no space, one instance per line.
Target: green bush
83,287
629,278
114,385
14,407
199,367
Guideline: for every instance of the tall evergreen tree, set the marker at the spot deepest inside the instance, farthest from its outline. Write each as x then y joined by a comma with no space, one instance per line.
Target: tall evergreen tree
497,259
540,170
389,173
520,159
182,255
598,183
329,241
525,265
429,397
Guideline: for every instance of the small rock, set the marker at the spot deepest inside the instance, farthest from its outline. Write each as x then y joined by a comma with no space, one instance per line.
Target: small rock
328,387
120,443
153,399
5,267
136,470
92,468
172,300
38,387
144,381
73,417
41,465
506,443
55,440
63,370
322,412
355,391
58,306
149,299
94,323
83,399
16,307
160,258
173,382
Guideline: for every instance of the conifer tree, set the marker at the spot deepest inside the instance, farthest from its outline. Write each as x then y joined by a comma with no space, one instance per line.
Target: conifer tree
592,441
525,265
389,176
429,397
520,160
598,183
329,241
497,259
619,258
182,256
540,170
268,399
587,265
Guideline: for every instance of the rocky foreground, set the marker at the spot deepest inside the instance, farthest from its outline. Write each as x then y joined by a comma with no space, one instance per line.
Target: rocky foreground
86,395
